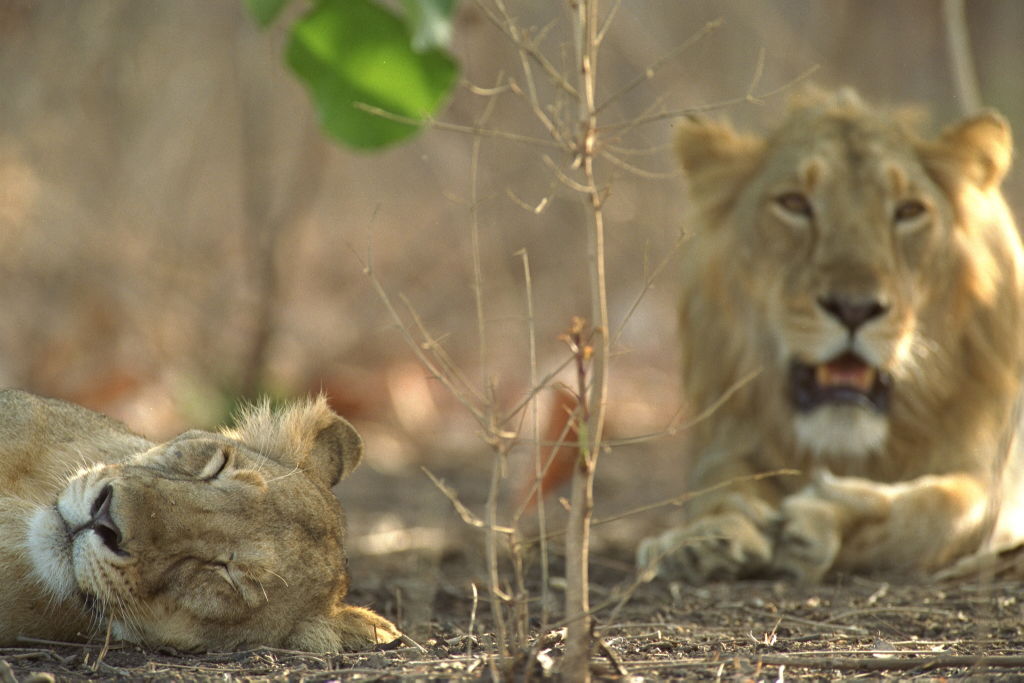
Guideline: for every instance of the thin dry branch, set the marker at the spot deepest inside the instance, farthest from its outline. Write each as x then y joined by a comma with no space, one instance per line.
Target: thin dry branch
958,43
535,488
677,500
674,428
494,575
464,512
536,209
456,128
579,631
531,87
862,664
692,111
652,69
603,31
545,566
507,26
537,388
449,370
648,282
415,346
636,170
474,233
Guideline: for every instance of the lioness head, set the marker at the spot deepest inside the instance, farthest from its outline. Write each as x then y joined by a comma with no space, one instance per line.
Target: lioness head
858,250
215,541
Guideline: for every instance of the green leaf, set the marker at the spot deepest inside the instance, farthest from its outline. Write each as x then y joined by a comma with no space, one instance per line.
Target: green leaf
265,11
355,51
431,23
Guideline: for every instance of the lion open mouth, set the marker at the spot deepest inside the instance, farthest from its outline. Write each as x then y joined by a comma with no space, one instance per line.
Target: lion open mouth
844,379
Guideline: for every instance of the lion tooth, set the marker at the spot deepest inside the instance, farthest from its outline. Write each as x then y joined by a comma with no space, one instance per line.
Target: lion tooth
859,378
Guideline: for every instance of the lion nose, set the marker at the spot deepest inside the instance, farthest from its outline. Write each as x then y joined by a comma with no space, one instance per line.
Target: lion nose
852,314
102,523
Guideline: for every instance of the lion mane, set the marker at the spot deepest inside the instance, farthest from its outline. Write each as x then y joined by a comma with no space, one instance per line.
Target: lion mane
855,290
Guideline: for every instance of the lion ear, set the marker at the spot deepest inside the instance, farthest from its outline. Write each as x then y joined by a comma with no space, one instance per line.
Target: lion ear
348,629
307,434
977,148
716,159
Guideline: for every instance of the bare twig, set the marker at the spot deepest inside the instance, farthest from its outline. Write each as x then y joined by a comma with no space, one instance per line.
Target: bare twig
555,446
538,465
472,617
508,27
691,111
652,69
896,663
449,369
579,633
607,651
680,499
513,31
456,128
958,42
674,426
102,654
493,435
464,512
636,170
648,282
269,226
474,233
603,31
494,576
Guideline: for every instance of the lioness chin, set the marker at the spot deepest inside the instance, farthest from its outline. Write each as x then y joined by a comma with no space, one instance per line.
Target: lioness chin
211,541
870,280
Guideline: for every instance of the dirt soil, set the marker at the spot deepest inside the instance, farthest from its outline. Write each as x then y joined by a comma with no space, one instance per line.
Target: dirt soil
420,568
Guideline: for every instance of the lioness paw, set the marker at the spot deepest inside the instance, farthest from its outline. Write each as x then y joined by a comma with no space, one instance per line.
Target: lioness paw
714,548
350,629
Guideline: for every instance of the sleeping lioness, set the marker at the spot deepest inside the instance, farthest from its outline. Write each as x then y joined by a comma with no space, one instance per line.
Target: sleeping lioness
853,309
211,541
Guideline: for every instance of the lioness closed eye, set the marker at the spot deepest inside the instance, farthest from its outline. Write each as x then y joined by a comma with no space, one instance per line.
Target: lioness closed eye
870,280
210,541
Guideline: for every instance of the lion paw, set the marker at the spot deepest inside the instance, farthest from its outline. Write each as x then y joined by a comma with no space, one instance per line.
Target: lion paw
808,539
714,548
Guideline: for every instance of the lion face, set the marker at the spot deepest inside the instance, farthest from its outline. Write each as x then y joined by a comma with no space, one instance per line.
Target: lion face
844,228
852,225
207,541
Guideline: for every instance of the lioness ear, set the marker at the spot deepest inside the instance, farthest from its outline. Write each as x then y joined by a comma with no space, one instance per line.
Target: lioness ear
307,434
978,148
349,629
716,159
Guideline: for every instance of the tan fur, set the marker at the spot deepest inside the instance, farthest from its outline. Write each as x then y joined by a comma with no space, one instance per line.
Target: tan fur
910,490
207,542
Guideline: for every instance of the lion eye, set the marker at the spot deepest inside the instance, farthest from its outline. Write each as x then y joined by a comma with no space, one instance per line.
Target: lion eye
795,203
216,464
908,210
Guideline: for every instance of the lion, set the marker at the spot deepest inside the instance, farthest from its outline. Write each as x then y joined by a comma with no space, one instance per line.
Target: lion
211,541
851,321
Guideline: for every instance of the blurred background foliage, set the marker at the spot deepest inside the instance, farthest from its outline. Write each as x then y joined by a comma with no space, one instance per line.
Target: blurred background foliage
177,232
358,54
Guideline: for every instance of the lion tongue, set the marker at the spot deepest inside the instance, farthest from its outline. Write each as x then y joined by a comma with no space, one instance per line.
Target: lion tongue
846,372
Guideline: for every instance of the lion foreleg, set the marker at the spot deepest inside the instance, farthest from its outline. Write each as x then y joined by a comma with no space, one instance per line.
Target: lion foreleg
854,524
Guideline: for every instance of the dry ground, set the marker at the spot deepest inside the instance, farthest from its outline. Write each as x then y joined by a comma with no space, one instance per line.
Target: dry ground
750,631
419,570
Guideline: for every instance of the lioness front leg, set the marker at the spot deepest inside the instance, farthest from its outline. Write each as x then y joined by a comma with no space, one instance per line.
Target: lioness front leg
854,524
729,543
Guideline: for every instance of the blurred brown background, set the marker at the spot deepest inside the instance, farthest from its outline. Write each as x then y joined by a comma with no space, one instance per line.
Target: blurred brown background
176,232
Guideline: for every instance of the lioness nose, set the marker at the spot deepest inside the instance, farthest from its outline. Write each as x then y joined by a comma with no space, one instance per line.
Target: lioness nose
852,314
102,523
